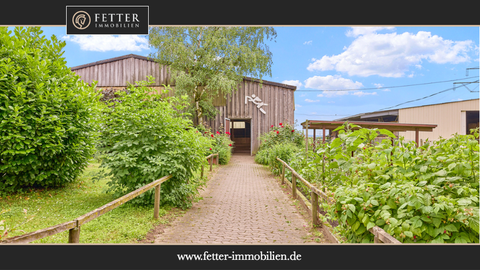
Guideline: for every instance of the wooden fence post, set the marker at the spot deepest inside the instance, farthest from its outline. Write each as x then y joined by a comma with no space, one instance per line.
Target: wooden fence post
157,201
211,163
294,186
74,235
283,173
314,202
218,159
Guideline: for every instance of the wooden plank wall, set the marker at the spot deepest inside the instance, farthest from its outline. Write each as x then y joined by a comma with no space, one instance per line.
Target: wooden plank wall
280,109
118,73
280,100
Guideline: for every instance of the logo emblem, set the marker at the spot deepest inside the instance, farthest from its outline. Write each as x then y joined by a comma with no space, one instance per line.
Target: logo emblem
81,20
257,101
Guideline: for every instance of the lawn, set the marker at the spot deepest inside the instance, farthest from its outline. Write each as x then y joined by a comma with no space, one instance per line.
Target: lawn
49,207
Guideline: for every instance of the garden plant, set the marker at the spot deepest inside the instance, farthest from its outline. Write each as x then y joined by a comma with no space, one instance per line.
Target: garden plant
426,194
48,116
146,135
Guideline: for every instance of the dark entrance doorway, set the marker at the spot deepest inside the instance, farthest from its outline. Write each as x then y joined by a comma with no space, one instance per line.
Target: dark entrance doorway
472,120
241,135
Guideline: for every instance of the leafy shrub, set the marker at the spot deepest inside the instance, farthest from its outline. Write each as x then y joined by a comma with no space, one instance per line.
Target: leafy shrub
47,114
221,144
284,133
262,157
427,194
285,152
282,142
145,137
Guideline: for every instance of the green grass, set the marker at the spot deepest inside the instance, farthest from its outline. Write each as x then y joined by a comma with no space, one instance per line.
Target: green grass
125,224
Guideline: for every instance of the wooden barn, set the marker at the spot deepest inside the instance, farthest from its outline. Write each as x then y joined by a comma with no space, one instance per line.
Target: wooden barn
247,113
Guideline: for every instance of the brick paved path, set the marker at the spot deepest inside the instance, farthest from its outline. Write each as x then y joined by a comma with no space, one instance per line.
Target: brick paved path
243,203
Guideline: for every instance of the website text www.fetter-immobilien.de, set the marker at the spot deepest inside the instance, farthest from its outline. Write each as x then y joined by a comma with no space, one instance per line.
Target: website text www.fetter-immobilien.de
262,256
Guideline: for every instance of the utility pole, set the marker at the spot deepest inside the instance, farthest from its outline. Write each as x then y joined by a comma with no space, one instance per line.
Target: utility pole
466,83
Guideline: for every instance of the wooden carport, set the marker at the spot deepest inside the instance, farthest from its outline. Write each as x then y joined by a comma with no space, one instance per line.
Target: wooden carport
392,126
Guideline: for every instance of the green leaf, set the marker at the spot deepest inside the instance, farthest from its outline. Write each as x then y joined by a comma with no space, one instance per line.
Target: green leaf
370,225
441,173
464,201
408,234
374,202
417,223
352,208
436,222
451,228
356,225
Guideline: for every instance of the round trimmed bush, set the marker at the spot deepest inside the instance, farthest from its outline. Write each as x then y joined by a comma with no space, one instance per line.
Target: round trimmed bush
47,114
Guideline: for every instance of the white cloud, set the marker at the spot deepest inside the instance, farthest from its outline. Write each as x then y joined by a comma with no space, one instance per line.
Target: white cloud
361,93
310,100
379,85
330,82
297,83
357,31
392,54
307,42
103,43
298,106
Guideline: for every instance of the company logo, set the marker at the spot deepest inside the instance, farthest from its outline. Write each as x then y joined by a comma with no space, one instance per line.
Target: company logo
257,101
81,20
88,20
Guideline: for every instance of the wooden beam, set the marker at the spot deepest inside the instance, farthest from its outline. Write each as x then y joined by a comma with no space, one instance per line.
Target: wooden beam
116,203
157,201
383,236
306,138
39,234
323,127
315,219
416,136
74,235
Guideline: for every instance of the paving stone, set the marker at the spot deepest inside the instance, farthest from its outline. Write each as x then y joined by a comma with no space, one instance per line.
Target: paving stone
242,203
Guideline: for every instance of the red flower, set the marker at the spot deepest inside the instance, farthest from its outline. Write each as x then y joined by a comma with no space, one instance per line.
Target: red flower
414,236
218,132
445,231
230,145
205,132
293,130
277,132
271,126
227,133
210,149
211,135
281,124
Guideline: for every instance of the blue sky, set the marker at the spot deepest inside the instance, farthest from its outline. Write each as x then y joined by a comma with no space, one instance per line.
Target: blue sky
335,58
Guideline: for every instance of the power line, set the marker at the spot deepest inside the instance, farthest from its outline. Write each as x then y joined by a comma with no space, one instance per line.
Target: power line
322,114
449,89
383,87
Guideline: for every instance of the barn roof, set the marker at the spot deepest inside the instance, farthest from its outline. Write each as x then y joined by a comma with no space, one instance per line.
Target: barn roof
136,56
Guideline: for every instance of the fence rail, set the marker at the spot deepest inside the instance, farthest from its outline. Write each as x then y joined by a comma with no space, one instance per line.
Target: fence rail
380,236
74,226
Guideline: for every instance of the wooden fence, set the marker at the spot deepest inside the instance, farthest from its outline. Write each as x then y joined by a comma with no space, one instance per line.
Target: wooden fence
74,226
380,236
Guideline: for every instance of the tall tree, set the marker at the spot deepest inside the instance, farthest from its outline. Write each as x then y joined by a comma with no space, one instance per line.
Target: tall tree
206,62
